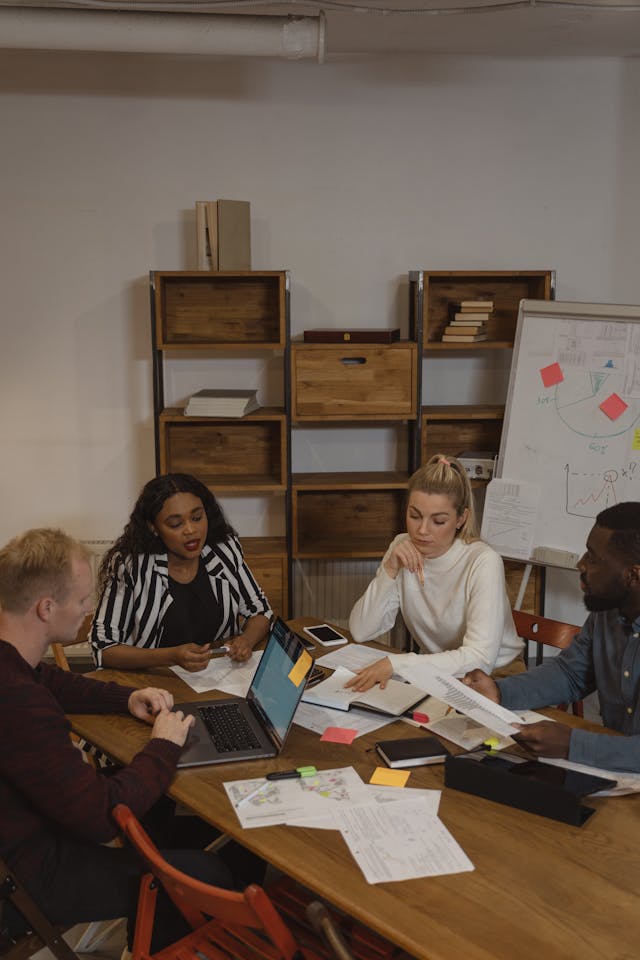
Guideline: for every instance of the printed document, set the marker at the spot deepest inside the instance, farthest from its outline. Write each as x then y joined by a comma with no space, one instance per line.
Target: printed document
316,718
509,517
465,700
223,674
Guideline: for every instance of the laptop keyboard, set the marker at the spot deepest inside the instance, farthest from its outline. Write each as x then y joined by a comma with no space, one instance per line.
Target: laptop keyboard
228,728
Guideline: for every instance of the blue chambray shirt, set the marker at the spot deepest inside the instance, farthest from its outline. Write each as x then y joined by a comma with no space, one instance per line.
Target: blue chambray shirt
604,656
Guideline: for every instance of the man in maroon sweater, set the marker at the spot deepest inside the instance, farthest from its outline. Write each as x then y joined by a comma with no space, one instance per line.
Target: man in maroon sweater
55,810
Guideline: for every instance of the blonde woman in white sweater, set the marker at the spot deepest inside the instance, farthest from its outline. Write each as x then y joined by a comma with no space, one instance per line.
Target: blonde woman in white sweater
448,585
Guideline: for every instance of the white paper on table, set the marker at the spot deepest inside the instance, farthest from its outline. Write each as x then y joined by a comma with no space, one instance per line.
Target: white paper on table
367,793
303,798
625,782
466,733
509,516
355,656
316,718
400,841
229,676
466,700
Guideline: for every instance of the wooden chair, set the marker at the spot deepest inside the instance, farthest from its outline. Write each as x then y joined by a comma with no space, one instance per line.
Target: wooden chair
58,650
224,924
546,632
40,932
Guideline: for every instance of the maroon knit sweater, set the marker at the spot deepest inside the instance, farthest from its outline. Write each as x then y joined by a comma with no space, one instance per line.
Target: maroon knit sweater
46,789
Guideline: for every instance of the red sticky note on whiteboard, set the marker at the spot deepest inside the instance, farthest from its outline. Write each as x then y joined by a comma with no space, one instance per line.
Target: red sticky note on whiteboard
552,374
339,735
614,406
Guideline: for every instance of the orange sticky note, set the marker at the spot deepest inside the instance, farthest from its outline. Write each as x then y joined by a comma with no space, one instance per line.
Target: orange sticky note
385,777
299,670
339,735
614,406
552,374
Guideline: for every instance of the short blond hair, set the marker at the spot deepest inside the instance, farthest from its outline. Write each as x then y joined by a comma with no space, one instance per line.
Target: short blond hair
37,564
444,474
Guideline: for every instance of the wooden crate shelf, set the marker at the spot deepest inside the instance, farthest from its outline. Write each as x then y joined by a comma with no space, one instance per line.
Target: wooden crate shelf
506,288
243,310
242,455
267,558
456,428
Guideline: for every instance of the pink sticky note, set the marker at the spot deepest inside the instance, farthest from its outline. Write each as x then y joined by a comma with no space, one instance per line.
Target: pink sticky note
614,406
339,735
552,374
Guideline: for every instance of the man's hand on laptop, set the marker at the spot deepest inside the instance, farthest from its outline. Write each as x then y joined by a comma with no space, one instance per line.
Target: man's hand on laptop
173,725
192,656
482,683
147,703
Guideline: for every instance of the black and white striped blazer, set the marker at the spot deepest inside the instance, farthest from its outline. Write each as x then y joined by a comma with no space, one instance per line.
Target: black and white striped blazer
136,599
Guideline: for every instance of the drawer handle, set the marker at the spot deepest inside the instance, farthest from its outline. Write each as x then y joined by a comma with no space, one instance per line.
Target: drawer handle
353,360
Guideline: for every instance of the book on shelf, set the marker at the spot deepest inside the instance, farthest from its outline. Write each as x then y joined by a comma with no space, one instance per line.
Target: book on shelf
471,316
221,403
466,338
369,335
485,305
394,700
459,330
412,751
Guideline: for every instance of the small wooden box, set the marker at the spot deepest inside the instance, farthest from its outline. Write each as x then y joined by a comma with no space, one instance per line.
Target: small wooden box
353,381
246,454
267,559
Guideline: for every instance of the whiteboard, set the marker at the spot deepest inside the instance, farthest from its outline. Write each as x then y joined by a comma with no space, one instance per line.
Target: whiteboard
572,425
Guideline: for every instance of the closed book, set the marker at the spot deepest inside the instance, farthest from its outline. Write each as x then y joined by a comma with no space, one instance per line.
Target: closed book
412,751
467,338
331,335
396,698
458,330
486,305
471,316
221,403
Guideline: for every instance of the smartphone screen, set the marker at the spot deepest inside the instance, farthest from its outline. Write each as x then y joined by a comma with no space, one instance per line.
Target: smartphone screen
325,634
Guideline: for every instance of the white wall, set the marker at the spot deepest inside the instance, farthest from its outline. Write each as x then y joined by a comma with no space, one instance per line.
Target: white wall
356,174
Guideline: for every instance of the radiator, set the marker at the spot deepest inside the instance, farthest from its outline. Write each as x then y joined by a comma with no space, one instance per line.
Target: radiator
328,589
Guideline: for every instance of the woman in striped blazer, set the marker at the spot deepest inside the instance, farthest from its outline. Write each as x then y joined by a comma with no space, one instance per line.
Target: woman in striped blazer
175,585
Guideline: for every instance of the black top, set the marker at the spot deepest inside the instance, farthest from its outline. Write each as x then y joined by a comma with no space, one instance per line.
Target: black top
194,616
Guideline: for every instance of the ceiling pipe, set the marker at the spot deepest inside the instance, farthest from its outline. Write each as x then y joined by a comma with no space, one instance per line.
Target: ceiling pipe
36,28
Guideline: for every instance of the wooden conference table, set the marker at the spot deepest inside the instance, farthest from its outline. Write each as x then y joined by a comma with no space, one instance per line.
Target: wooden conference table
540,889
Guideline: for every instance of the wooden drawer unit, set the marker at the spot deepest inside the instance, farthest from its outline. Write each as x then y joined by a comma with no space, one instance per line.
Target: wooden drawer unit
458,428
231,309
247,454
353,381
347,515
267,558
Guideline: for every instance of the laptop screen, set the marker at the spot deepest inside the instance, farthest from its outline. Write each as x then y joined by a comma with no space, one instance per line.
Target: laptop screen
275,696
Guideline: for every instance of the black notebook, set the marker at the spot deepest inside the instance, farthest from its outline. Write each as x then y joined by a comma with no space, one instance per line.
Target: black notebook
412,751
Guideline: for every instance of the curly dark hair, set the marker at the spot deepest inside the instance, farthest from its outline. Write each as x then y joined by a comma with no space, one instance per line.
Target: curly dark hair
137,537
623,519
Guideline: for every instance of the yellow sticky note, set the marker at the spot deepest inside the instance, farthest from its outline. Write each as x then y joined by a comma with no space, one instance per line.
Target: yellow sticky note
299,670
385,777
635,445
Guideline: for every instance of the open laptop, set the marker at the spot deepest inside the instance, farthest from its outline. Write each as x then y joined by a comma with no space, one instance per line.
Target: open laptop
255,727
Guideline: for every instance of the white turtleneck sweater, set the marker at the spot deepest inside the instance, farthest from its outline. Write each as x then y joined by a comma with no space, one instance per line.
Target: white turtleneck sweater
461,617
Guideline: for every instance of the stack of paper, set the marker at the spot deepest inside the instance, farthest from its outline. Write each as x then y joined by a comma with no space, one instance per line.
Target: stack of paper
221,403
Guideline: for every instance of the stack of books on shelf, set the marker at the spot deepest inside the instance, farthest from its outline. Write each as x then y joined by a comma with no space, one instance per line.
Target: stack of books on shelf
468,321
221,403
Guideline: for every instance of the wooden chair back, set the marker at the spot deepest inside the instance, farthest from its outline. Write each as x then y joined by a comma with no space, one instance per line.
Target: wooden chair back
545,632
224,923
58,649
39,933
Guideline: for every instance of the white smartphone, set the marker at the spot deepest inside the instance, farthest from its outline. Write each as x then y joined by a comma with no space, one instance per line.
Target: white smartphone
325,635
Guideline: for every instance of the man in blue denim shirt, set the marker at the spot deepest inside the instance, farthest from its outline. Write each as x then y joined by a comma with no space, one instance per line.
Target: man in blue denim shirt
604,656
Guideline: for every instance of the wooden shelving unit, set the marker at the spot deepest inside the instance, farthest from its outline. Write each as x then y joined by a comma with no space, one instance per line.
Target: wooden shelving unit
223,314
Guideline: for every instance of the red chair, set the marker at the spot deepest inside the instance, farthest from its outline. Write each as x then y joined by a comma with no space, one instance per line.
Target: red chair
224,924
550,633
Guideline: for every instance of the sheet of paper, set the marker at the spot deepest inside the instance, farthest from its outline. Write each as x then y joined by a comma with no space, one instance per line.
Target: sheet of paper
365,793
400,841
355,656
465,700
317,719
509,517
223,674
467,733
625,782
